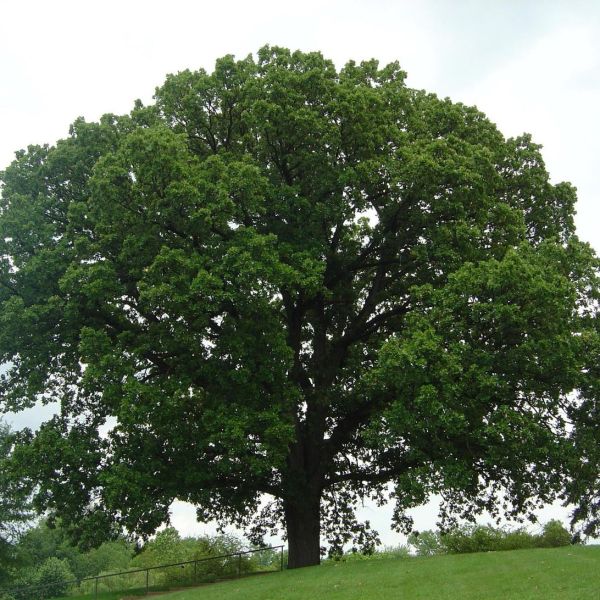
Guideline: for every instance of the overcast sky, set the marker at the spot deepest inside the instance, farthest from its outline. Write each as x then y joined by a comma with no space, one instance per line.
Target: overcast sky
530,66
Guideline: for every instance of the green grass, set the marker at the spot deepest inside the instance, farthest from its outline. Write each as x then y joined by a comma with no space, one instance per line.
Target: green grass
106,595
571,573
101,596
116,595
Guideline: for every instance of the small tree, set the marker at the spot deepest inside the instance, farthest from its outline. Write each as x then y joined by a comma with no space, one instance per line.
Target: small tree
53,578
555,534
426,543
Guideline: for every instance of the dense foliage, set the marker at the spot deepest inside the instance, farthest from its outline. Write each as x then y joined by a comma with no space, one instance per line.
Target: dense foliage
48,565
283,281
42,542
15,508
168,547
45,561
485,538
53,579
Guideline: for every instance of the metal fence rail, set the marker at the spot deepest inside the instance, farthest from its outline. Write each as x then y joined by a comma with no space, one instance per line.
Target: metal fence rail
179,574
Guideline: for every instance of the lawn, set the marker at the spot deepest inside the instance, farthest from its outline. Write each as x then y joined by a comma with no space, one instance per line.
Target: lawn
571,573
101,596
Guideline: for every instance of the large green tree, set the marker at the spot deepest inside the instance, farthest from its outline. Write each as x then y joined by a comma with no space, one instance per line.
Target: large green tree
282,288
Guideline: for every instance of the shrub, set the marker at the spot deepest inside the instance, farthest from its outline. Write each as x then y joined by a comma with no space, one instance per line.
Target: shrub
168,547
554,535
518,539
107,558
480,538
268,560
426,543
54,578
488,539
118,582
21,586
399,551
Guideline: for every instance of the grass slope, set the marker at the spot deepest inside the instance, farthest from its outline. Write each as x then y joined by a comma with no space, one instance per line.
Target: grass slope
571,573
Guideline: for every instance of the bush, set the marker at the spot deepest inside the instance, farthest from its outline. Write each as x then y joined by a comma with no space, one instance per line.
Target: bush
21,586
168,547
44,541
480,538
399,551
107,558
519,539
116,583
268,560
54,578
554,535
486,538
426,543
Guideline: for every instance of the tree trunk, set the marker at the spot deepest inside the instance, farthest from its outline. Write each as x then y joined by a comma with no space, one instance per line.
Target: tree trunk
303,524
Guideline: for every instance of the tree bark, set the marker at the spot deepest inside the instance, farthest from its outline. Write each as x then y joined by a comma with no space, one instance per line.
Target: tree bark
303,524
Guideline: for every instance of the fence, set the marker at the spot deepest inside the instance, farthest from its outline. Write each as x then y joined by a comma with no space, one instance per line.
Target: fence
162,577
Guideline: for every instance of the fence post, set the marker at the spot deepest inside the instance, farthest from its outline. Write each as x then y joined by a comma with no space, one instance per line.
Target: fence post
281,569
96,588
147,581
239,564
195,571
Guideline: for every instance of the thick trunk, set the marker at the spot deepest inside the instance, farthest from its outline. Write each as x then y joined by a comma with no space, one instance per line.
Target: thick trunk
303,524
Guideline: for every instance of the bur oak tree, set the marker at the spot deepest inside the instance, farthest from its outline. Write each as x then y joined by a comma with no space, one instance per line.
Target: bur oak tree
282,288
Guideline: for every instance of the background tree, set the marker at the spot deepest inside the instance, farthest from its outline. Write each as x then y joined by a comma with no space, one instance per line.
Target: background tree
42,542
15,508
53,579
283,281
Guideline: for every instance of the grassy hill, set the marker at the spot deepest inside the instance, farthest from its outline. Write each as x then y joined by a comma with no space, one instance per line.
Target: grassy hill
571,573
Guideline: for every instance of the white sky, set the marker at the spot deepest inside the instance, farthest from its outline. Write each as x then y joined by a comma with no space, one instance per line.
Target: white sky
530,66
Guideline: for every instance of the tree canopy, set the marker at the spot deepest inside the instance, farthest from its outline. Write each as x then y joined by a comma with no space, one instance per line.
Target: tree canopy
282,288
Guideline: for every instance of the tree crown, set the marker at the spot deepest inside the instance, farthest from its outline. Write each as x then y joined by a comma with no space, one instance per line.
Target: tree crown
285,279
